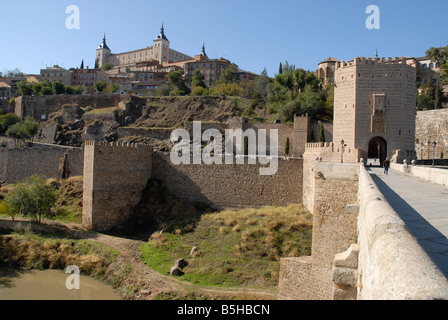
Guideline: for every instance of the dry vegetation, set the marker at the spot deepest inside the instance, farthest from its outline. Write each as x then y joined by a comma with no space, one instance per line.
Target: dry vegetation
235,248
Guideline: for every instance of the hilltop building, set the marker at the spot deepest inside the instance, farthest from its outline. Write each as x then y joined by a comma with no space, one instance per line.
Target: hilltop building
147,68
160,51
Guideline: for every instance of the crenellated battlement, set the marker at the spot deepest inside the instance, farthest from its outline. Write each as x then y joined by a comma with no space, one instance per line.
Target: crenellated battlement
373,61
118,144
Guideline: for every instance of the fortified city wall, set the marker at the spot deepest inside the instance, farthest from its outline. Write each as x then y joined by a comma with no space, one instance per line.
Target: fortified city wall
16,164
40,107
231,185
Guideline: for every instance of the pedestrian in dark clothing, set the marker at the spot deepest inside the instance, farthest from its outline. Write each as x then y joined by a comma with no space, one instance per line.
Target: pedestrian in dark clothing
386,166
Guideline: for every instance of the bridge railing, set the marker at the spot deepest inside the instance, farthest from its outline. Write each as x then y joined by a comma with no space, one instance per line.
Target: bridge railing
428,173
392,265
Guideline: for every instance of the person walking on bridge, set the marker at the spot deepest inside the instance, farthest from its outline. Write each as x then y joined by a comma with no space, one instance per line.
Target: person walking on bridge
386,165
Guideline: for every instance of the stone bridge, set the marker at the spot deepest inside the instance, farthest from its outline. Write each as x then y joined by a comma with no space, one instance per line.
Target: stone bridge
375,236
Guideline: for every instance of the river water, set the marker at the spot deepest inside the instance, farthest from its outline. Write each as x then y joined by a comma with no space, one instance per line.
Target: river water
50,285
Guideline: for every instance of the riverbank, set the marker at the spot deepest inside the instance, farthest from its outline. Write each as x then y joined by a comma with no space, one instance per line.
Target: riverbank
113,260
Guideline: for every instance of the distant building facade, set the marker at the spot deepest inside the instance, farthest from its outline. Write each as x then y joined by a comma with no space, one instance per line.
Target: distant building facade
327,69
149,67
54,74
160,51
88,77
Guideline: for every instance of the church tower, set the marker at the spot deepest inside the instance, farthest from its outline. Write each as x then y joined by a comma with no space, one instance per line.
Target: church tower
102,54
161,47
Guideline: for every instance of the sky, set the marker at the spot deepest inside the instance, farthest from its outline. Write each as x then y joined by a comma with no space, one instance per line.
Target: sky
254,34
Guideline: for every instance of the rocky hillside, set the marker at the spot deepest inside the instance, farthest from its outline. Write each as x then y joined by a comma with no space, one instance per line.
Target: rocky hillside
73,125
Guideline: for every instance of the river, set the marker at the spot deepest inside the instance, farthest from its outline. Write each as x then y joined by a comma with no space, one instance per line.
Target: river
50,285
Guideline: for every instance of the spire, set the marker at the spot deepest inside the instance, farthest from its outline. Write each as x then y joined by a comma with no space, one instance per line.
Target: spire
162,34
82,64
103,45
203,50
376,55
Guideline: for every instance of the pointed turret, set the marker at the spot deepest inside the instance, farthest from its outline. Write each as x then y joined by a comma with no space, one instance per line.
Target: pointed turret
162,34
103,45
203,50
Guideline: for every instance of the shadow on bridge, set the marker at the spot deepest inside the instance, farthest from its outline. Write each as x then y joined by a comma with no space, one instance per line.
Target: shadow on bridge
429,237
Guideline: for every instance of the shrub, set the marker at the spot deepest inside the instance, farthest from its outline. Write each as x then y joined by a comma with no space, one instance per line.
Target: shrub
32,197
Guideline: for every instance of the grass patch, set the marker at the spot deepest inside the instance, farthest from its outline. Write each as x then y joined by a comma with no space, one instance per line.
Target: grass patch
102,110
234,248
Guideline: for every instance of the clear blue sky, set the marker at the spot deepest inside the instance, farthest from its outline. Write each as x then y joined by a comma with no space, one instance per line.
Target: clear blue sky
252,33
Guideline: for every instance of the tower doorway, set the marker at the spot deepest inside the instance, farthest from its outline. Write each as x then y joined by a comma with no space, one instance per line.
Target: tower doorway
377,151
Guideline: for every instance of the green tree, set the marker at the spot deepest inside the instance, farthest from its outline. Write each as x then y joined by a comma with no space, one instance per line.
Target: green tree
439,55
46,91
438,97
262,85
177,82
23,130
25,88
246,146
107,66
424,101
198,79
300,79
229,75
58,87
112,88
30,198
287,146
7,120
37,88
70,90
322,133
16,73
100,86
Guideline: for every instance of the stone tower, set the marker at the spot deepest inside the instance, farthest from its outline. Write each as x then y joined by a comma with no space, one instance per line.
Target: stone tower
102,54
375,108
161,47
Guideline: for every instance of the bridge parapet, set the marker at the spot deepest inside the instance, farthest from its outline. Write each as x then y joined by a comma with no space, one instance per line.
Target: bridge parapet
392,265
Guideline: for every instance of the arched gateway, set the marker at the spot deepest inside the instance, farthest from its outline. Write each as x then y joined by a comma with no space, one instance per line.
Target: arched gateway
378,149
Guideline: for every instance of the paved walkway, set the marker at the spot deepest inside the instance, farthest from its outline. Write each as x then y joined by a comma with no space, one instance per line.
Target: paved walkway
423,206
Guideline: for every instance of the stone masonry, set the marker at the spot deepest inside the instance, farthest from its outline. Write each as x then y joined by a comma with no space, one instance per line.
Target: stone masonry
334,230
431,125
375,106
114,179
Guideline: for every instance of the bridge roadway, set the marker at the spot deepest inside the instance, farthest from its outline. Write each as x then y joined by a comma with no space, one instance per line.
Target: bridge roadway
423,206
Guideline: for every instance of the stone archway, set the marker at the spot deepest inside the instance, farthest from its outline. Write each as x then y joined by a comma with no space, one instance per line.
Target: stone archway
378,149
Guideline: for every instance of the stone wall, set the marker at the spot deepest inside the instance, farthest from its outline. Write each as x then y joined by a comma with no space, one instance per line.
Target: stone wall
40,107
231,185
16,164
335,191
431,125
322,152
115,176
392,265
